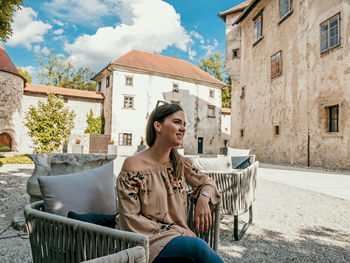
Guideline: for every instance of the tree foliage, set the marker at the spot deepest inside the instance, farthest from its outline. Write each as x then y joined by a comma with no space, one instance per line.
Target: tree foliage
7,8
50,124
25,74
59,71
215,66
95,125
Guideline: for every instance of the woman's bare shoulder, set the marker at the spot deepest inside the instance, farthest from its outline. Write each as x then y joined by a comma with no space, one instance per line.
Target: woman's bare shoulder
133,163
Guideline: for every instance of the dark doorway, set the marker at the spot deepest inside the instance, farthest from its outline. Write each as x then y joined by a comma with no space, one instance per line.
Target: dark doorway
200,144
6,140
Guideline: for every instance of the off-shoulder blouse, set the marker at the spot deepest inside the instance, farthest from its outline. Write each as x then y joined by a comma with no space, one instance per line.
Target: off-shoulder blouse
154,203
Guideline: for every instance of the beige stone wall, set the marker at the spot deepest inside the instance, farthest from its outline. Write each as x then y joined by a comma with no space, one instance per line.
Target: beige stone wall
295,100
11,91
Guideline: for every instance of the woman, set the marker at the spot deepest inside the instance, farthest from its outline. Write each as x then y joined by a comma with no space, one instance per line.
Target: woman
152,193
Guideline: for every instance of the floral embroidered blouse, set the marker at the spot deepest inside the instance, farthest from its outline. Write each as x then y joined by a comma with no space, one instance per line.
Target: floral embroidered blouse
154,203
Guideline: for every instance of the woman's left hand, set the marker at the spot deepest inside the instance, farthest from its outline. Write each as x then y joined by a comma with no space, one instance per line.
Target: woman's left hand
202,215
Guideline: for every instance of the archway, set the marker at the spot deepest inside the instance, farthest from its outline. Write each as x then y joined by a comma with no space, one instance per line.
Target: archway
5,140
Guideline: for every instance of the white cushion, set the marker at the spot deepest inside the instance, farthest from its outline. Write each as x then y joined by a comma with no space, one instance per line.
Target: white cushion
88,192
221,163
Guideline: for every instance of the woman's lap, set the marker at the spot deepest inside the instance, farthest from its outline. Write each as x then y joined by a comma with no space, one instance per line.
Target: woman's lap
186,249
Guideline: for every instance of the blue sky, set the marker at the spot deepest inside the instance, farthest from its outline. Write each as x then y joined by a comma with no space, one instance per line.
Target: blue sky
91,33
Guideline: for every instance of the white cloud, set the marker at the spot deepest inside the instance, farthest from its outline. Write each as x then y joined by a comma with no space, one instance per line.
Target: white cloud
191,53
58,31
147,25
31,70
198,36
27,30
210,47
37,48
80,11
46,51
58,22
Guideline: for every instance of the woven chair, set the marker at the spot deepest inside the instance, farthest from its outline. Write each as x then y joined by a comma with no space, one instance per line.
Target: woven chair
237,189
55,238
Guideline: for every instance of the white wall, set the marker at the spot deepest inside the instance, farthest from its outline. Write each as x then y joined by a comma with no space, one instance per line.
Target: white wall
80,106
147,89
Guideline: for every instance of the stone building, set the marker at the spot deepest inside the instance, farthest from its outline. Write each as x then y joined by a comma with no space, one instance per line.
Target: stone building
132,85
11,95
225,126
290,66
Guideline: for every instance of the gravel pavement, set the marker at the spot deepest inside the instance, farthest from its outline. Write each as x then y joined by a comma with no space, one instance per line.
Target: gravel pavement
290,224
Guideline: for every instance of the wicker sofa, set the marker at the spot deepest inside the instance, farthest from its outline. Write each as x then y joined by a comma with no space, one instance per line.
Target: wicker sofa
56,238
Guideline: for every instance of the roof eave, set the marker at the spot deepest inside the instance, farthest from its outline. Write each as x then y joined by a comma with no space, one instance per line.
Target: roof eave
246,11
218,84
223,15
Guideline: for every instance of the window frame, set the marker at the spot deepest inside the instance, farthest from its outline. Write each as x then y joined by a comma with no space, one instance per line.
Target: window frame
211,93
280,65
328,34
99,86
276,130
129,83
211,108
125,139
237,56
175,87
107,81
285,13
256,38
133,101
330,124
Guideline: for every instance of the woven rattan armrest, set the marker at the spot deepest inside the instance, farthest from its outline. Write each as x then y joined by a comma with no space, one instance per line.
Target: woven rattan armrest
131,255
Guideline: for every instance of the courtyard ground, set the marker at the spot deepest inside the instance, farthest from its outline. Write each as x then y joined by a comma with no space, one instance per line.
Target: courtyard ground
300,215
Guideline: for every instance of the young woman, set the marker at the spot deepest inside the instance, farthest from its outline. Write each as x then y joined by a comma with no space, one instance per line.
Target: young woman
152,193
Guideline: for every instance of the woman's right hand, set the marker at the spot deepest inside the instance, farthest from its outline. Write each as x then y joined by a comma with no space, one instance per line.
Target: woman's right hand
189,233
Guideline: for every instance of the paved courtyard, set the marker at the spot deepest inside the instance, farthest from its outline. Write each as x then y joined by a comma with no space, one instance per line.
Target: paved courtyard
293,221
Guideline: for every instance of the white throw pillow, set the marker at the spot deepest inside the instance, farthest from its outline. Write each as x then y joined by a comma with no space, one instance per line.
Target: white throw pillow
222,163
88,192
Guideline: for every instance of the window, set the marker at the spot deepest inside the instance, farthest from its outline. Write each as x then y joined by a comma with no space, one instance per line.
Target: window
242,92
211,93
235,53
129,81
176,87
276,65
128,102
285,7
257,27
330,33
99,85
107,81
333,125
277,130
211,111
242,132
65,100
125,139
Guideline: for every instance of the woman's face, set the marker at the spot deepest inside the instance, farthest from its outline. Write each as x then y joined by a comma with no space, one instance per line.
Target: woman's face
172,130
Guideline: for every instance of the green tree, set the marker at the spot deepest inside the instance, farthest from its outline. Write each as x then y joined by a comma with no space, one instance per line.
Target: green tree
25,74
59,71
50,124
7,8
215,66
95,125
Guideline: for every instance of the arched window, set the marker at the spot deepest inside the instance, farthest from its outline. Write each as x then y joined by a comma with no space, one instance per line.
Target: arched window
5,140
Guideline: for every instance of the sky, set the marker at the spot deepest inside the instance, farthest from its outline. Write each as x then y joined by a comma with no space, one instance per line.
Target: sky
92,33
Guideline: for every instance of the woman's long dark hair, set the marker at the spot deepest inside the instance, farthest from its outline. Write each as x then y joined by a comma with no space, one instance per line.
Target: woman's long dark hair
159,114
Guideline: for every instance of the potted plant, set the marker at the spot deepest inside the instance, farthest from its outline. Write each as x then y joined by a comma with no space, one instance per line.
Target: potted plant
77,147
112,149
142,146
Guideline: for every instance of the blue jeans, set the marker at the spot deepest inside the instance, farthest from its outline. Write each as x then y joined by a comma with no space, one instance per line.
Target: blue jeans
186,249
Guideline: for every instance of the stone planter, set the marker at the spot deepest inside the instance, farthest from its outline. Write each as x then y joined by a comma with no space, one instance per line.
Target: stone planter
61,163
112,149
77,148
141,147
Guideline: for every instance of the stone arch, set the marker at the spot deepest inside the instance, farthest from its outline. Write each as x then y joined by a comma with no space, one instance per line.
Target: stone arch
6,140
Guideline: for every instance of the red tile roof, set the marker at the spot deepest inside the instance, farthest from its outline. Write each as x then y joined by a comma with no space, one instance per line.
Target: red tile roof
234,9
140,60
6,63
63,91
226,111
